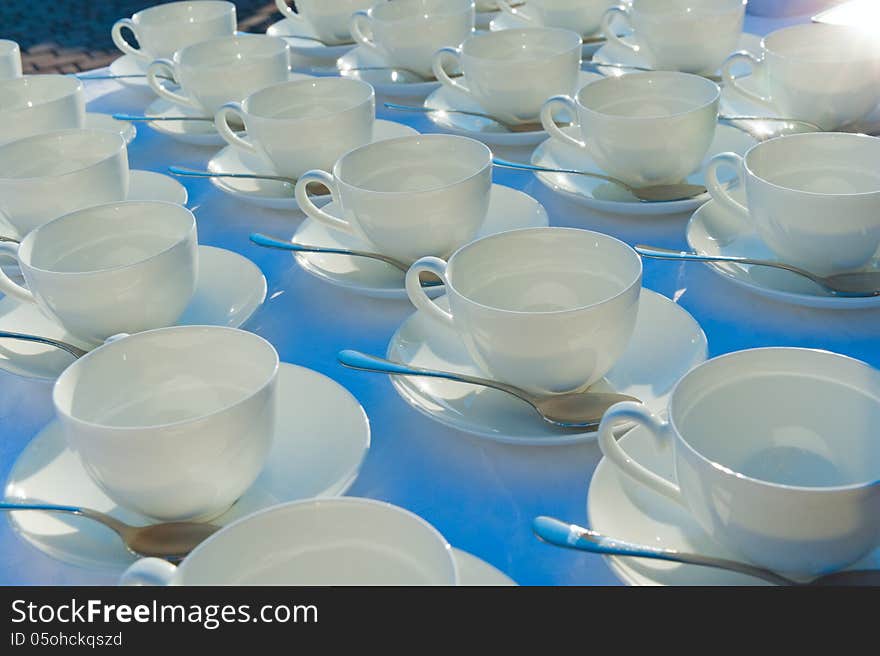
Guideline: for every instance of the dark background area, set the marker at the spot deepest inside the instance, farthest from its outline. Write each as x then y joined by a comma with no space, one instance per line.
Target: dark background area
67,36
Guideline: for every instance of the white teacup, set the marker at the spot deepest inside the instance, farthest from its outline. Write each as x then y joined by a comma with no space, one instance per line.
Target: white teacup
776,455
643,128
174,423
329,19
35,104
407,33
813,198
116,268
302,125
10,59
164,29
215,72
548,310
50,174
409,197
512,72
318,542
582,16
693,36
825,74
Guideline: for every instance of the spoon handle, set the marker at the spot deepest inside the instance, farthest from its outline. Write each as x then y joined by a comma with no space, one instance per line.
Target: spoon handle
271,242
570,536
191,173
100,517
432,110
138,117
364,362
597,66
75,351
522,166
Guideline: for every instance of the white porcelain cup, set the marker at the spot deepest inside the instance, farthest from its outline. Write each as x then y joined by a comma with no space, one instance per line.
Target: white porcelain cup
174,423
813,198
643,128
825,74
408,197
329,19
407,33
213,73
548,310
582,16
50,174
693,36
116,268
164,29
34,104
776,456
512,72
10,59
302,125
317,542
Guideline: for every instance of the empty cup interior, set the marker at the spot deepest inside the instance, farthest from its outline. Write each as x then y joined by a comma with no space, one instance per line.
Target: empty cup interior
527,44
413,164
821,163
309,98
784,416
107,237
544,270
57,153
649,95
329,542
401,10
35,90
165,376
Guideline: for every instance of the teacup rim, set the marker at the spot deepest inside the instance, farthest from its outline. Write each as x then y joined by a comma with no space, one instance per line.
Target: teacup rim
177,57
136,16
627,288
727,471
12,46
381,5
61,381
576,44
413,137
27,242
26,80
120,142
342,500
803,27
607,81
310,81
817,194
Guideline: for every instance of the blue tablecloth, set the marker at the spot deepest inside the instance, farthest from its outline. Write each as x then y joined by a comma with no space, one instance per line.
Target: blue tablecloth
481,495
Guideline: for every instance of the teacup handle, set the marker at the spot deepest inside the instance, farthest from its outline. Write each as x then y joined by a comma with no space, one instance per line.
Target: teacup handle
149,572
120,42
549,122
360,26
609,31
717,190
416,292
7,286
306,205
507,8
731,82
221,122
286,11
437,65
166,66
662,432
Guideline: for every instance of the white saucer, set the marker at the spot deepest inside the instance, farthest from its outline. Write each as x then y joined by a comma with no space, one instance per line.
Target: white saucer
229,291
197,133
714,230
311,456
361,57
125,129
130,65
609,197
622,509
291,28
509,209
473,571
504,21
269,193
666,344
483,129
613,53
